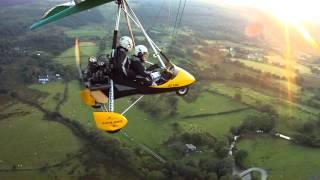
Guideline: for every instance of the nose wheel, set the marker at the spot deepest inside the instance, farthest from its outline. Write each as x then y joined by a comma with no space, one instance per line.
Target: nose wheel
182,92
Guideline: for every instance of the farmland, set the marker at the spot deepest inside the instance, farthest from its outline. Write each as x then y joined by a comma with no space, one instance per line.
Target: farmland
280,158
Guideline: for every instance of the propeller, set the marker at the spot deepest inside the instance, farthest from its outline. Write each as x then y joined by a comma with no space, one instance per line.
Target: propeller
77,55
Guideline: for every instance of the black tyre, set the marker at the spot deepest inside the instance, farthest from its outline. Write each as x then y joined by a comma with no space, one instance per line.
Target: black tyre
97,106
113,132
183,91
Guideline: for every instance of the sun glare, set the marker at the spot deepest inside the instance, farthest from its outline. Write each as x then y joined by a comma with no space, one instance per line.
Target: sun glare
293,10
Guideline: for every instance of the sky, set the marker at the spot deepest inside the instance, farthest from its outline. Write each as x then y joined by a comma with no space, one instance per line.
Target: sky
291,10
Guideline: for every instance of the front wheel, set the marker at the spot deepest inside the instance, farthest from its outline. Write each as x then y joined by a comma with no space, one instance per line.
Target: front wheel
183,91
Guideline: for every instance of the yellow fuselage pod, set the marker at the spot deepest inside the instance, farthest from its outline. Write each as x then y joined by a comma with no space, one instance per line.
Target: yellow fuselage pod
87,98
181,79
109,121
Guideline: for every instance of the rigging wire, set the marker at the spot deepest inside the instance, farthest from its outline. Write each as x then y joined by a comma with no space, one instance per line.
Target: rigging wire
134,103
155,18
175,23
181,16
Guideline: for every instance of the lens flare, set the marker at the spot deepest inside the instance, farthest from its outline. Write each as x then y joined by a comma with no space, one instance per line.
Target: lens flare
289,62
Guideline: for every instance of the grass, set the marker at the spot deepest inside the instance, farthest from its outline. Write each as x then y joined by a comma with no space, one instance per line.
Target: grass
153,131
280,158
87,31
208,103
55,92
249,95
75,109
144,128
32,142
266,68
87,49
230,44
286,109
273,58
22,175
216,125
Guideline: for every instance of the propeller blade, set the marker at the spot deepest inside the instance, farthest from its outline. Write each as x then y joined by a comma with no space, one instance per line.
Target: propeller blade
77,55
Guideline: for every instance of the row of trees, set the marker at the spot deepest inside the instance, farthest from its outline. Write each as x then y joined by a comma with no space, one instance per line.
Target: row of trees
264,121
159,106
309,133
216,166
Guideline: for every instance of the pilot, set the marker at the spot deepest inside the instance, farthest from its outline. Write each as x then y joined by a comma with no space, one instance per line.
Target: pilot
137,66
121,59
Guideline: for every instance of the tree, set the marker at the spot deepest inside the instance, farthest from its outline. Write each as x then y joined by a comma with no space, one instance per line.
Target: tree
240,155
267,108
309,127
224,167
212,176
156,175
263,121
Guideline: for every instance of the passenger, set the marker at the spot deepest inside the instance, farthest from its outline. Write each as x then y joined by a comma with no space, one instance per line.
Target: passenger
137,66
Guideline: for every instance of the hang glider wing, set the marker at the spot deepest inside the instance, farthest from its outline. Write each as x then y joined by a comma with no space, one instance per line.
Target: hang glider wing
67,9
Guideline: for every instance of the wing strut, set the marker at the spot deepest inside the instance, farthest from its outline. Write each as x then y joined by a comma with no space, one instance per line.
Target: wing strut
134,103
114,46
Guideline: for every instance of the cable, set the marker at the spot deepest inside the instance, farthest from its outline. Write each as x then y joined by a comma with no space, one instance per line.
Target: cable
135,102
155,18
181,16
175,23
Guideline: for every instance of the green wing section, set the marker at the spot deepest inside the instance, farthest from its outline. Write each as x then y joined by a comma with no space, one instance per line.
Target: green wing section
55,10
67,9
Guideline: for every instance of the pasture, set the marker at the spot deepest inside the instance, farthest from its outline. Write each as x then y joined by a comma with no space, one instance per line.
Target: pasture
87,49
30,141
280,158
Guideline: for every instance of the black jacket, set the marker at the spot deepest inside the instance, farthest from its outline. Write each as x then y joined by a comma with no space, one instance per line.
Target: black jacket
138,67
119,57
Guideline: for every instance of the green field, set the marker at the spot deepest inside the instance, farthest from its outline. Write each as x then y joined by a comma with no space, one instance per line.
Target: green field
55,94
208,103
280,158
286,109
87,49
267,68
31,142
274,58
147,129
216,125
87,31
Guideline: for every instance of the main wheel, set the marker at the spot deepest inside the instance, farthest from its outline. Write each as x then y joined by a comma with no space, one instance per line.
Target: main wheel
96,106
183,91
113,132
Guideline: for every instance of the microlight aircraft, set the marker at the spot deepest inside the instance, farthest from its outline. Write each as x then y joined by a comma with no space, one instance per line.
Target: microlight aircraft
102,95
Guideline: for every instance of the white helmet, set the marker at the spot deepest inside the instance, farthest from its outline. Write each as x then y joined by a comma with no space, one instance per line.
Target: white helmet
140,50
92,59
126,42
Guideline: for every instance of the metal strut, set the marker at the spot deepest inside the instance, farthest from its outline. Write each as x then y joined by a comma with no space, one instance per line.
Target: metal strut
111,97
114,46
